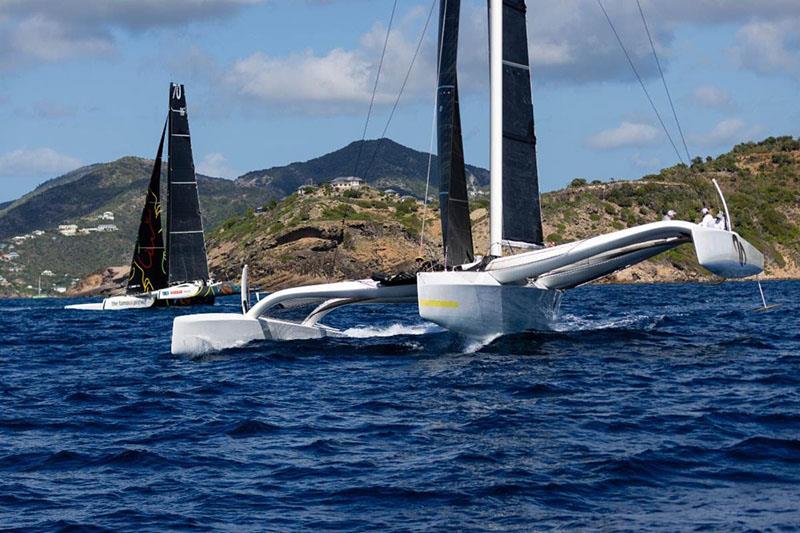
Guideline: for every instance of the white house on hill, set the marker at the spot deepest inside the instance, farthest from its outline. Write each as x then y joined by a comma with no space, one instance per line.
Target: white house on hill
347,183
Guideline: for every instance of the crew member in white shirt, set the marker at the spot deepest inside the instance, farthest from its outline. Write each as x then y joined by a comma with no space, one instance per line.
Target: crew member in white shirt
708,220
720,222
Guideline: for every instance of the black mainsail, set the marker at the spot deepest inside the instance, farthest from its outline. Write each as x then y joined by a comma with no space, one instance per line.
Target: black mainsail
186,249
522,214
148,266
453,200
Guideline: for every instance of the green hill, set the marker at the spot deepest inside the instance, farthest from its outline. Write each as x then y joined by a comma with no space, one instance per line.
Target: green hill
325,236
80,197
384,163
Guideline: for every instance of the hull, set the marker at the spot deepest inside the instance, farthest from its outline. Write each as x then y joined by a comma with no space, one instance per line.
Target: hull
185,295
214,332
118,303
204,333
522,292
476,305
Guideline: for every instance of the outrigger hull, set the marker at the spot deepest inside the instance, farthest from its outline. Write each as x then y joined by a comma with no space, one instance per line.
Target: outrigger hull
203,333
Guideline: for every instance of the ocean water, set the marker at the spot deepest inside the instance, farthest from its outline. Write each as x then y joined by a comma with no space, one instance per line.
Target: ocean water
663,407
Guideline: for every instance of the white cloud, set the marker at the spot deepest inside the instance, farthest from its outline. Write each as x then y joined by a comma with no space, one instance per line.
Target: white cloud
35,162
726,133
44,31
712,97
769,47
48,40
337,77
340,80
625,135
216,166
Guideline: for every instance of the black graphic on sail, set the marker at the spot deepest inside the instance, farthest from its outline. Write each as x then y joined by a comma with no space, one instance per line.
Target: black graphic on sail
453,200
148,267
186,249
522,215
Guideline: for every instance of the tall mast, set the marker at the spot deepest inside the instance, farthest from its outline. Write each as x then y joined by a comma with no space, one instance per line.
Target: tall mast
496,127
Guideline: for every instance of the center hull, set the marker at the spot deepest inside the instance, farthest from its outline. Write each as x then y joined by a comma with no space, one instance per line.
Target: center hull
476,305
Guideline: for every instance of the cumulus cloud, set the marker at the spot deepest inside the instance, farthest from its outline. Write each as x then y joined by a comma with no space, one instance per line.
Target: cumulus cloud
570,43
336,77
712,97
340,80
43,31
627,134
769,47
215,165
726,133
35,162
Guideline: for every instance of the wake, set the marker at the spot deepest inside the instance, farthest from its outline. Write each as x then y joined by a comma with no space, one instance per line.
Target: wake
392,330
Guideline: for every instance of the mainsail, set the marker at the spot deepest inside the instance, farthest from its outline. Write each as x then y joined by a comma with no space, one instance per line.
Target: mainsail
186,248
453,200
148,267
522,215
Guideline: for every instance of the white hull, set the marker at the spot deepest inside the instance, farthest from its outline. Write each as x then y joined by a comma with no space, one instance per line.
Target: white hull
476,305
214,332
522,292
143,301
117,303
203,333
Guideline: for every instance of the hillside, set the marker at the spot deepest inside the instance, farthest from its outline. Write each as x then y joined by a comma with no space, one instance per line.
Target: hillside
324,235
321,235
384,163
80,197
327,236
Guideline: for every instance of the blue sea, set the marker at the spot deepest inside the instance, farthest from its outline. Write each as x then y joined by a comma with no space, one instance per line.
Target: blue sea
660,407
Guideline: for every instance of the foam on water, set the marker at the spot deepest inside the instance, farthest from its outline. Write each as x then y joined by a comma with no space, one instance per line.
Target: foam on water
392,330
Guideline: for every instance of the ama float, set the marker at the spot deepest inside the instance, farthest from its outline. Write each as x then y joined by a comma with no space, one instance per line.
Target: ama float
503,292
174,273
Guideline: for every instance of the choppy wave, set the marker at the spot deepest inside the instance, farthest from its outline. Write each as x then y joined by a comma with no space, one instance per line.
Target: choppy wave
647,408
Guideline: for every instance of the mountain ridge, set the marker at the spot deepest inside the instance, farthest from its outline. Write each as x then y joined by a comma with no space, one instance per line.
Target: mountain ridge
383,163
295,240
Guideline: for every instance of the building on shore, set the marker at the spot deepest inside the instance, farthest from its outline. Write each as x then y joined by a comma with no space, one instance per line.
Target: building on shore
68,230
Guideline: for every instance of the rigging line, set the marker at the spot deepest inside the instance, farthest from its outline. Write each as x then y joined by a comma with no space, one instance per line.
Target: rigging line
439,53
402,88
664,81
375,87
641,82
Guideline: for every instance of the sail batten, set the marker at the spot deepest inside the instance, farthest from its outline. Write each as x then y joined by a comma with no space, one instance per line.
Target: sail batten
453,199
148,266
186,250
521,217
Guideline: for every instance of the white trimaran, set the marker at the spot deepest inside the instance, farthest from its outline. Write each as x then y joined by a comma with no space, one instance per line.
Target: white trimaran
496,294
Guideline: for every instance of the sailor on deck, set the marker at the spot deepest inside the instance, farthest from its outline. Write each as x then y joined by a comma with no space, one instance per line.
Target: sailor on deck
708,220
720,222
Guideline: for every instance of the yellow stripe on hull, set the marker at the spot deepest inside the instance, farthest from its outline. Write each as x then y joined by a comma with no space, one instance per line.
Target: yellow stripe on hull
439,303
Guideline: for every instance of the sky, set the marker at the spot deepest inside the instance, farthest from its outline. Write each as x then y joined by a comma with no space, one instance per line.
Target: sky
270,82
